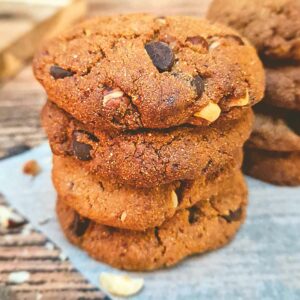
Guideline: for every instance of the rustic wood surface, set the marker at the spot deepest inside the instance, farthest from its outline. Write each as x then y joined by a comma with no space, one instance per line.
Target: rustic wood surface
23,248
29,25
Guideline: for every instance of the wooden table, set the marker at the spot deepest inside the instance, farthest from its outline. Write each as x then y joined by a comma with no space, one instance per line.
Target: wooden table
23,248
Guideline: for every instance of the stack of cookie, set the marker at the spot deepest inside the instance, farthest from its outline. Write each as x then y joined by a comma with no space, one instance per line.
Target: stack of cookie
147,117
273,151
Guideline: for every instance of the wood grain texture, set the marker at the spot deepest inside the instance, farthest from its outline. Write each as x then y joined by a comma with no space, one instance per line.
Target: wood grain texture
23,27
21,100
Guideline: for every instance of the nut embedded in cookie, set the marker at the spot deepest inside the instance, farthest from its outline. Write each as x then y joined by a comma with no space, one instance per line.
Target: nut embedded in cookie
210,112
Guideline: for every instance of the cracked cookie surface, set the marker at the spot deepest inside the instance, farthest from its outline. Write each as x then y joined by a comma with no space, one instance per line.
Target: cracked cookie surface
271,25
131,208
206,226
281,168
141,71
152,157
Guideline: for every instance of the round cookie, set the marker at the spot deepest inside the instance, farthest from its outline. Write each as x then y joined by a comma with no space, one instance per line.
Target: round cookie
141,71
271,25
206,226
276,131
281,168
131,208
283,87
148,158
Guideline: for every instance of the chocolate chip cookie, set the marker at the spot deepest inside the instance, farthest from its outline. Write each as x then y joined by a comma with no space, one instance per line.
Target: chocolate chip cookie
283,87
271,25
152,157
131,208
139,71
275,129
205,226
281,168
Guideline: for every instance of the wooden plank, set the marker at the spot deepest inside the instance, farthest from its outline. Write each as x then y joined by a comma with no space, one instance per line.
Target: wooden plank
35,266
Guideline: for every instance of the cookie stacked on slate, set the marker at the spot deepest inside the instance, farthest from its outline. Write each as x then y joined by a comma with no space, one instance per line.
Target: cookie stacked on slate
146,118
273,26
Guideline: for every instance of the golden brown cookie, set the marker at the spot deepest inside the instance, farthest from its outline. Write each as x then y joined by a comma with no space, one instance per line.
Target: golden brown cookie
127,207
283,87
275,130
206,226
271,25
142,71
281,168
148,158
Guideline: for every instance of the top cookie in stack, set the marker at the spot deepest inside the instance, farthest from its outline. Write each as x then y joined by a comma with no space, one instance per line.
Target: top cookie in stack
273,152
135,72
147,117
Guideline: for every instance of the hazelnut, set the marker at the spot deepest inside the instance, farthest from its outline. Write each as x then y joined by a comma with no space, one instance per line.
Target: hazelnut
112,95
121,285
241,101
123,216
214,45
210,112
174,199
9,219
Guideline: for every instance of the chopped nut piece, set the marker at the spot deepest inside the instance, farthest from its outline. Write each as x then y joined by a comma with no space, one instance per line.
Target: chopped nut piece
241,101
123,216
174,199
210,112
18,277
31,167
214,45
9,219
121,285
112,95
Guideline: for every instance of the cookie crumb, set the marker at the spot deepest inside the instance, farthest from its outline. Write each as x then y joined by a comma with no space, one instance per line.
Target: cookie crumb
121,285
31,167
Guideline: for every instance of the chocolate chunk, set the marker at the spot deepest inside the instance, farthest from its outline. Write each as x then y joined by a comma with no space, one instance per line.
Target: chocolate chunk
80,149
79,225
199,85
194,214
161,55
233,215
198,40
58,72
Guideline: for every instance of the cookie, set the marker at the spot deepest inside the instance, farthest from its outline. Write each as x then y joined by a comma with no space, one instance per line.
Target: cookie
131,208
140,71
206,226
271,25
275,130
283,87
281,168
148,158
